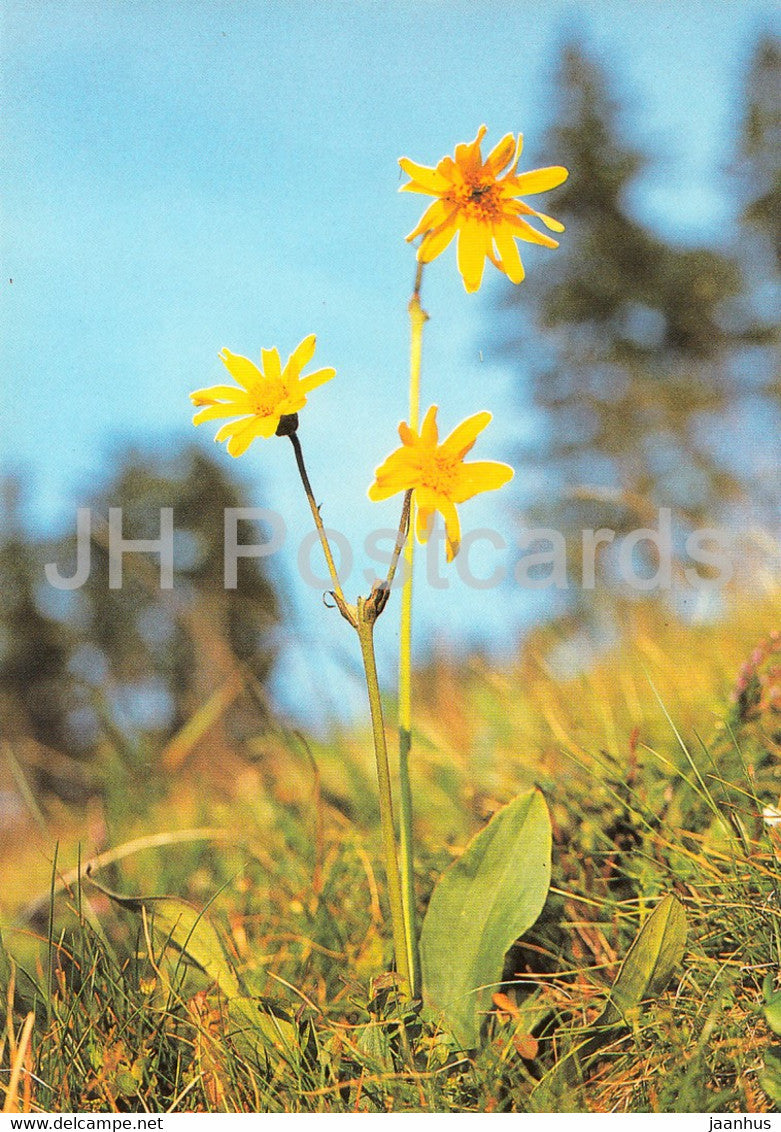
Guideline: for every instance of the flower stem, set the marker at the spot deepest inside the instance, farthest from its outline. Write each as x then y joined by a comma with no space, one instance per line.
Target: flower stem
418,318
365,627
362,616
338,593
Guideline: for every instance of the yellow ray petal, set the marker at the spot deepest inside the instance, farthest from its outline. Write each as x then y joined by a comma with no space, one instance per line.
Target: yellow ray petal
429,433
509,255
424,179
501,154
240,441
471,253
312,380
538,180
464,435
231,428
272,366
479,476
407,434
241,369
524,231
437,213
517,158
292,404
301,356
435,242
467,154
217,393
549,222
218,412
424,522
452,527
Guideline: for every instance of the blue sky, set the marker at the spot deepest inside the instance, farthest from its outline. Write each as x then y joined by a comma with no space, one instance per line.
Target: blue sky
179,177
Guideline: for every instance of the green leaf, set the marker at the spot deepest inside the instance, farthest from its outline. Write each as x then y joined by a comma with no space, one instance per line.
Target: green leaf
772,1008
649,965
6,970
770,1076
185,928
650,962
488,898
262,1029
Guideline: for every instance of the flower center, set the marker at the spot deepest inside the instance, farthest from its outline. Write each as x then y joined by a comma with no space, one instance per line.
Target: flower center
480,199
440,473
267,397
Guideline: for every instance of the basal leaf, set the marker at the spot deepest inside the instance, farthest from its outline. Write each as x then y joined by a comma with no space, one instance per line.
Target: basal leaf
261,1029
488,898
772,1008
650,962
184,927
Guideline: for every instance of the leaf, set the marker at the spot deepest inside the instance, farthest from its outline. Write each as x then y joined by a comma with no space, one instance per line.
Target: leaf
770,1076
650,962
185,928
263,1029
488,898
772,1008
6,970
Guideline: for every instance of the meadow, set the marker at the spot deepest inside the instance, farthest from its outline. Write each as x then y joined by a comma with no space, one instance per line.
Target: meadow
656,761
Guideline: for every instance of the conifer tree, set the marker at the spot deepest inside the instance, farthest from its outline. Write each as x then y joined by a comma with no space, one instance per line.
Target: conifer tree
624,344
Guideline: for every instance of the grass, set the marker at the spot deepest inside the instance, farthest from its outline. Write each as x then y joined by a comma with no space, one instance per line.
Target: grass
655,779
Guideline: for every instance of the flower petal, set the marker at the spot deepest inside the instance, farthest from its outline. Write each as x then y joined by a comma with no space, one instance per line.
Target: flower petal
407,434
467,154
549,222
217,393
509,255
437,213
241,369
524,231
424,521
231,428
463,436
272,365
301,356
471,253
479,476
240,441
429,433
501,154
312,380
537,180
217,412
424,179
435,242
452,528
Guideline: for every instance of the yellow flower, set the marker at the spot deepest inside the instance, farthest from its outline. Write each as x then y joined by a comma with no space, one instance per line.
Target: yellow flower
473,200
264,396
438,474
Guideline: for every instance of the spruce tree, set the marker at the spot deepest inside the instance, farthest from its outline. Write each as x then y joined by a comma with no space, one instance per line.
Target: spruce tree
623,343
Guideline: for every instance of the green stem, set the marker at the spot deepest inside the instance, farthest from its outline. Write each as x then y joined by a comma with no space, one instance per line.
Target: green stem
338,594
418,318
362,616
365,629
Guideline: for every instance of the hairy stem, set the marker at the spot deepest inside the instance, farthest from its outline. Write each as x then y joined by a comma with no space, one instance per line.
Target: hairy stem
366,637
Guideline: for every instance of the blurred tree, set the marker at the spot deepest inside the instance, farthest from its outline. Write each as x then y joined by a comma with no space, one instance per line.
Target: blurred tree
760,150
758,169
37,689
625,346
136,664
164,653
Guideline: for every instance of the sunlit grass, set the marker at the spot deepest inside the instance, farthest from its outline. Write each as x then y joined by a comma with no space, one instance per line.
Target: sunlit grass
656,781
